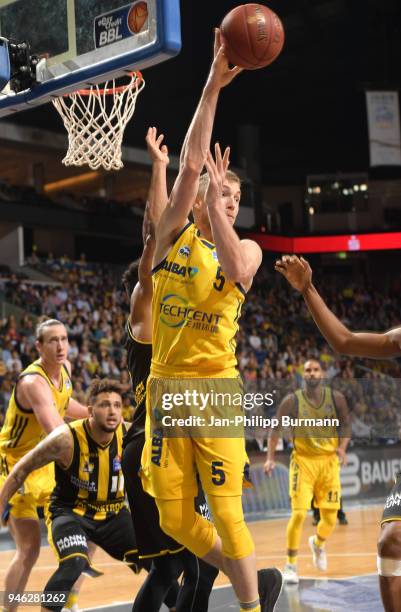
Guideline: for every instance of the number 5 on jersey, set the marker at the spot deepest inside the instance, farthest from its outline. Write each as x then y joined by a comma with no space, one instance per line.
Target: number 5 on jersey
221,280
218,475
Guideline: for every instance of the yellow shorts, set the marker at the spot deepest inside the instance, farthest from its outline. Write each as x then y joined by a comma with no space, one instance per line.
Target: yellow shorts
170,464
34,493
317,478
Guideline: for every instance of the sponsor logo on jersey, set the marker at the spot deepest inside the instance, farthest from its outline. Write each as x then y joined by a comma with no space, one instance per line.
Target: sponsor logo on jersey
175,311
393,500
68,384
116,464
214,255
83,484
204,511
184,251
88,467
76,540
176,268
157,445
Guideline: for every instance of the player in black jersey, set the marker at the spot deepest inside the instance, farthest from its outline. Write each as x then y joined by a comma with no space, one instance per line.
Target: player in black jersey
88,501
169,557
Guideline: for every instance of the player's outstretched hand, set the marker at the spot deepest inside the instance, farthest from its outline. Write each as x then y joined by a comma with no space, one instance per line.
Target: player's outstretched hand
269,467
216,169
296,270
220,73
158,152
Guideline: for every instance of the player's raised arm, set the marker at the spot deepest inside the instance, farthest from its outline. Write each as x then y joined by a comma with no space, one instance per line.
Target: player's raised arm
194,151
141,292
298,273
157,195
239,259
286,408
57,446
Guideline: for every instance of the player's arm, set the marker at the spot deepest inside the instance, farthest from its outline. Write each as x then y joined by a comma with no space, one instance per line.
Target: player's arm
360,344
75,410
157,195
286,408
141,296
194,151
34,393
57,446
345,425
239,259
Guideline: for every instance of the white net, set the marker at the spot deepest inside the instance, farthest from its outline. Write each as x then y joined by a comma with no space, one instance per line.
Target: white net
95,120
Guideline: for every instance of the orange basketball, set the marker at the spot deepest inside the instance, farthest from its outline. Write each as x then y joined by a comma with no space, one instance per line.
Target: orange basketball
253,36
137,17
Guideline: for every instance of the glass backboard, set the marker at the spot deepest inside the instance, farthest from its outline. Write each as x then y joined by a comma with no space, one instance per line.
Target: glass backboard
87,41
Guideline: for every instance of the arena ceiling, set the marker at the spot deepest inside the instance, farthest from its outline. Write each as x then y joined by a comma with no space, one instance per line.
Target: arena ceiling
309,106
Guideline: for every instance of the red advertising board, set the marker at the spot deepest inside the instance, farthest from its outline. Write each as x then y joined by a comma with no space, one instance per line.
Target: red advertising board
328,244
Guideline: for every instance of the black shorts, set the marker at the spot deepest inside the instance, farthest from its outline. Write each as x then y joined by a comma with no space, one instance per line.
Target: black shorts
71,532
392,507
151,540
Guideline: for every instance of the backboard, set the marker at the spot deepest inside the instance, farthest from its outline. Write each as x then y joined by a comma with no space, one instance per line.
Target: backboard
87,41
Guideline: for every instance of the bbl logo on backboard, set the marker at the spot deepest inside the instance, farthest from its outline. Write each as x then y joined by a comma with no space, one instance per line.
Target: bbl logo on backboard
121,23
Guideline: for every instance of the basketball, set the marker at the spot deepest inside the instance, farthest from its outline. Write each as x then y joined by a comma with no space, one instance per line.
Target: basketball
253,36
137,17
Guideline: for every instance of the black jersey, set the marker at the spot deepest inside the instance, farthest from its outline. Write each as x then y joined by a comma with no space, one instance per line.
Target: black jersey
139,356
93,484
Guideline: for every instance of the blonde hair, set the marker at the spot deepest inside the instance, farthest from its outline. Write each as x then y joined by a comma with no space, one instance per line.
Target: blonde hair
43,323
204,182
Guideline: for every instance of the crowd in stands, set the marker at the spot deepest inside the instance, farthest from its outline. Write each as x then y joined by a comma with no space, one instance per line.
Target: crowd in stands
276,336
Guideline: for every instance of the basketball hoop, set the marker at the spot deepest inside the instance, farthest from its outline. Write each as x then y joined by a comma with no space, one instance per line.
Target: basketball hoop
95,120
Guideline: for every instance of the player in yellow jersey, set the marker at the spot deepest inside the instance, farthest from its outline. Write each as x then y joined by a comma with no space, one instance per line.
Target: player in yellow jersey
88,501
169,559
315,462
201,275
40,400
360,344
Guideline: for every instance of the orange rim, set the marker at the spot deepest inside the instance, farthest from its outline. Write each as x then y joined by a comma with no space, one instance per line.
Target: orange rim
109,90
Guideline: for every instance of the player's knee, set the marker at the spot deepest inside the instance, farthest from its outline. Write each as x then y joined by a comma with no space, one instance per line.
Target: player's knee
389,544
173,520
67,573
28,554
180,521
297,518
328,517
389,550
236,540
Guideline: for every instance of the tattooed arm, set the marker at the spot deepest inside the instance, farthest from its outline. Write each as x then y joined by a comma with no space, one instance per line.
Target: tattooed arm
57,446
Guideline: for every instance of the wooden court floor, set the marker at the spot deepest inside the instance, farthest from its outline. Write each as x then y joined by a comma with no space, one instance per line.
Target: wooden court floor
351,551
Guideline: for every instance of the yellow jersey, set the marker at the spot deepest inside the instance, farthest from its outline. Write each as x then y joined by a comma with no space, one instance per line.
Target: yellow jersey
21,430
195,312
321,438
93,484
